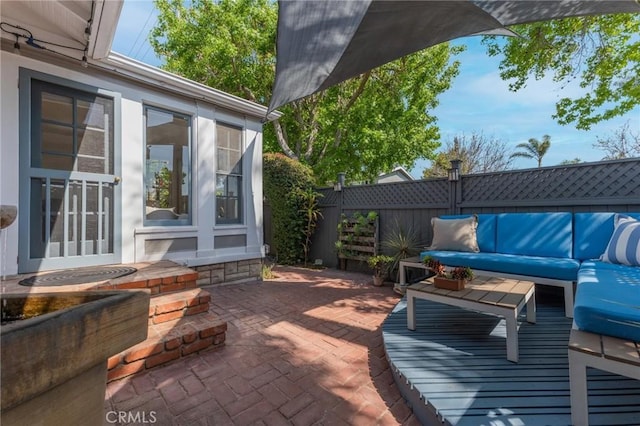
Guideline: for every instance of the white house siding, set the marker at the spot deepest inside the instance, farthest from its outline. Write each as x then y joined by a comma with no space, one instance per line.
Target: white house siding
238,243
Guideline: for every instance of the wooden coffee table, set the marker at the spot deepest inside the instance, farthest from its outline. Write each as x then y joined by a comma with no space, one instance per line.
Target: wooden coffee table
504,297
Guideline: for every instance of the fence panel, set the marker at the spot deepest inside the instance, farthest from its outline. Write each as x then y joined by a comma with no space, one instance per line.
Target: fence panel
601,186
602,183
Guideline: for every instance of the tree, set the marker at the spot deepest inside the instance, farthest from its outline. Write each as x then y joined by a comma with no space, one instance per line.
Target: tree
478,153
364,126
533,149
601,52
569,162
624,143
162,185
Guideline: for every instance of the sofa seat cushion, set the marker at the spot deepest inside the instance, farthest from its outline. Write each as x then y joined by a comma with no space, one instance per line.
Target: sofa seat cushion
532,266
608,300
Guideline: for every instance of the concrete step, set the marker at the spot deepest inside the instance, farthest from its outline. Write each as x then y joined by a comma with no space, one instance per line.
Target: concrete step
166,307
169,341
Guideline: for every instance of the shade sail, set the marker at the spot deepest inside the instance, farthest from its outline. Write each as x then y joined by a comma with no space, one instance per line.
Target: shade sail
324,42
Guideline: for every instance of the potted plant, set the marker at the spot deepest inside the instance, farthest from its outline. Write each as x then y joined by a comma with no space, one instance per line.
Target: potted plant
380,264
434,266
453,279
401,243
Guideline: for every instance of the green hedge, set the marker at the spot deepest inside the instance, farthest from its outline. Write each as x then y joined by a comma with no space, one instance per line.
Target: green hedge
283,179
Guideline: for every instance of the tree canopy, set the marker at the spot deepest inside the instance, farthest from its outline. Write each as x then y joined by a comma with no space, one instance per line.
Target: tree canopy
534,149
477,153
601,52
363,127
623,143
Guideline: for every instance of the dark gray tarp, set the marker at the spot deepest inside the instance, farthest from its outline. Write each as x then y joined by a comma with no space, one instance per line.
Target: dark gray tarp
324,42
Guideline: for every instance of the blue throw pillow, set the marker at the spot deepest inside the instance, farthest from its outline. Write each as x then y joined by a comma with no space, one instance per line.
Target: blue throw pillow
624,245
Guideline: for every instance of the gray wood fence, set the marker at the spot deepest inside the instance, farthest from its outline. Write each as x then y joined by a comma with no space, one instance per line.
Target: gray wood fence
589,187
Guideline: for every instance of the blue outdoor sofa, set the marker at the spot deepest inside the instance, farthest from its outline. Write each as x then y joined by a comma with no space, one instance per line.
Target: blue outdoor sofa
559,249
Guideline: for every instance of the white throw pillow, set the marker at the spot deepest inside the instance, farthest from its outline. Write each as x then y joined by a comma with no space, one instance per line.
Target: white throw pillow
455,234
624,245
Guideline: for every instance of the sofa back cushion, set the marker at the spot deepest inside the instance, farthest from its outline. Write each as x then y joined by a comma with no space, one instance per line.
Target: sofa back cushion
535,234
592,233
485,232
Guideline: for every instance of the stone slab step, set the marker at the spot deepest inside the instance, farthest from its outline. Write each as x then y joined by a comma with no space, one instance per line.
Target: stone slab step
169,341
172,306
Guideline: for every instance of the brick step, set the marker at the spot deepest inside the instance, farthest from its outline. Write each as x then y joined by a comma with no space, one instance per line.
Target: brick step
172,306
169,279
169,341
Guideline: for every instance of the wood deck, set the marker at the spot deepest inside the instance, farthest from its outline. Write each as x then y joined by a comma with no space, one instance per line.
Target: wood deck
453,369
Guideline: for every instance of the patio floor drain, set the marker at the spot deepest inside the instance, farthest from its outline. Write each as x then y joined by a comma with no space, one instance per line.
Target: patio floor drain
78,276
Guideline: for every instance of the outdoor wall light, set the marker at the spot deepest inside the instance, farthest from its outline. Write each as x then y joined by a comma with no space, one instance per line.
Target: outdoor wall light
454,171
340,183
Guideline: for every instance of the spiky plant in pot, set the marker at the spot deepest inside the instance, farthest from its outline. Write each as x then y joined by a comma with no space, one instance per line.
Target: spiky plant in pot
400,243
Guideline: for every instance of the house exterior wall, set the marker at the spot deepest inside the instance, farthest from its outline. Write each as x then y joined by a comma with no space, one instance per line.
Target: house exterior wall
394,176
194,244
399,174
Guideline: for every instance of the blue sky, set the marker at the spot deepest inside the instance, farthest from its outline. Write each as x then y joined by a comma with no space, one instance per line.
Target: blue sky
479,100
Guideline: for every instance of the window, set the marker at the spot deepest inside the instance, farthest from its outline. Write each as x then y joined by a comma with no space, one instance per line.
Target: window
167,176
73,130
229,174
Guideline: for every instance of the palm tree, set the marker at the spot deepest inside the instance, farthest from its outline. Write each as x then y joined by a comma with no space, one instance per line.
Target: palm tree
534,149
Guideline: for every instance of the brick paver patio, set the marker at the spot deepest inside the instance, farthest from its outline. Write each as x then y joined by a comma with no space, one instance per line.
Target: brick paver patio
303,349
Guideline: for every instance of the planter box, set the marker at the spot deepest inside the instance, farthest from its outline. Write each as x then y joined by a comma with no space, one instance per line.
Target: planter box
359,240
448,283
54,352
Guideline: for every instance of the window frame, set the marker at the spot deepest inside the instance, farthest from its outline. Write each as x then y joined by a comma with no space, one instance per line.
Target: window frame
187,221
77,95
241,220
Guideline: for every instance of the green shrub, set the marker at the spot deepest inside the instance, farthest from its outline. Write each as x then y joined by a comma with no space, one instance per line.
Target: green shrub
311,214
285,182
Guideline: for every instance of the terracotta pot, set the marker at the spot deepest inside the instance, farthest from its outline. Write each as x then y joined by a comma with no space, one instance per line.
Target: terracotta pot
378,280
448,283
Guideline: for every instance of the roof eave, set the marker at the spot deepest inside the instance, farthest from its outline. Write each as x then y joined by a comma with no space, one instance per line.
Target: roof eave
161,78
104,23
